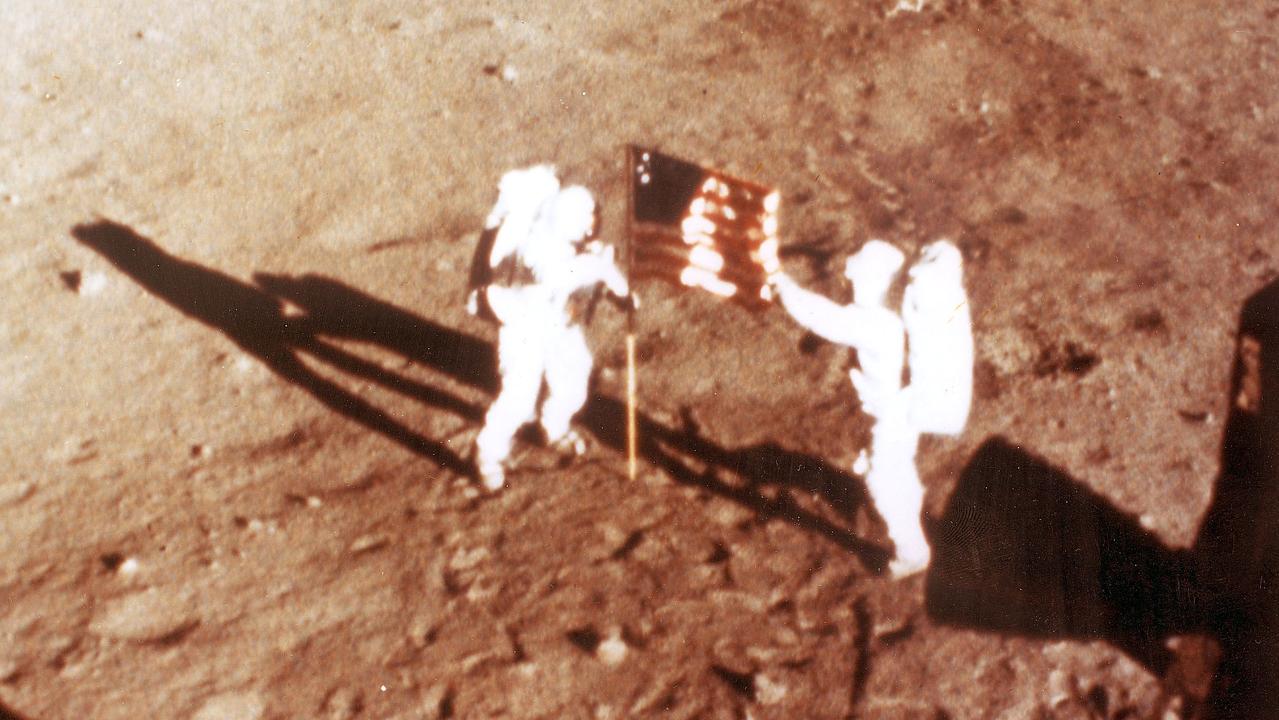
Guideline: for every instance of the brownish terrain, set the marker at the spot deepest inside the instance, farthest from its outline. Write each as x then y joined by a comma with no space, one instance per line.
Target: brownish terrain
240,387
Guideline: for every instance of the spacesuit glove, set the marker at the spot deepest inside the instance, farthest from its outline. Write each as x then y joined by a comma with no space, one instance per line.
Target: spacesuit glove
768,257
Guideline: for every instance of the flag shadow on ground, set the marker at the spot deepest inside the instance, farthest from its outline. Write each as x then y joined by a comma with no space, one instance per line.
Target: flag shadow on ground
680,451
252,316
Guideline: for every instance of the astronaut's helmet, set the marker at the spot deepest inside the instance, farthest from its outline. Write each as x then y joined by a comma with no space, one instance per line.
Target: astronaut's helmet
573,216
872,269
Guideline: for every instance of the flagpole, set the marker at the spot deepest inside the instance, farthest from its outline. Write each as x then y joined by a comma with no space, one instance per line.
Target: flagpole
632,430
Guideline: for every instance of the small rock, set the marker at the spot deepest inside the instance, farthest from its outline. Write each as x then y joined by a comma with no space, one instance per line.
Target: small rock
1061,688
612,651
343,704
92,284
727,513
465,559
9,669
152,615
369,543
14,492
437,701
768,692
422,630
231,706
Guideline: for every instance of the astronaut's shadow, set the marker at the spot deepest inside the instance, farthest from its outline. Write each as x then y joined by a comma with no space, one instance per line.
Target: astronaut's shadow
254,319
253,316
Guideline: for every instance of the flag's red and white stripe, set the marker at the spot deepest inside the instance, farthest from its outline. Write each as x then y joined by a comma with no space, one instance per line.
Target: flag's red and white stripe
700,228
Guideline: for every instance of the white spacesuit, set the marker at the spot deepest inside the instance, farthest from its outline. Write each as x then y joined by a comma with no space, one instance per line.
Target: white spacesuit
539,271
938,398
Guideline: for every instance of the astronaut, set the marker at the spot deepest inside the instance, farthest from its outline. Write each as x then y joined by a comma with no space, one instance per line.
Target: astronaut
937,399
541,263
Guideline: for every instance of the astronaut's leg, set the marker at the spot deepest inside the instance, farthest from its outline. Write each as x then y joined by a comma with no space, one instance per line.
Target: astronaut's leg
568,373
520,356
898,494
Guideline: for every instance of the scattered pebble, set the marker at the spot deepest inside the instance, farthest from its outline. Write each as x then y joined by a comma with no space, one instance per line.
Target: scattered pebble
1061,688
422,630
612,651
506,72
92,284
343,704
368,543
14,492
768,692
465,559
231,706
153,615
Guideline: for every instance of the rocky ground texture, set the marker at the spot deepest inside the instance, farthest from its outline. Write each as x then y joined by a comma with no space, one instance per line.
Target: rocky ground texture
239,385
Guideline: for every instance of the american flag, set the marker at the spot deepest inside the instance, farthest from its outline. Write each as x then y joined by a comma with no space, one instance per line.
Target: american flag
698,227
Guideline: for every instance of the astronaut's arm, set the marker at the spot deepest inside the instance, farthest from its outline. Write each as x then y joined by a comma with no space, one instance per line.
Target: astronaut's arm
598,267
832,321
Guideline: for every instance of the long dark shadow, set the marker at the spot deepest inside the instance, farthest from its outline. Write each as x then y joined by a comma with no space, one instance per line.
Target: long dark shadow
254,320
1238,543
252,317
678,451
1024,548
338,311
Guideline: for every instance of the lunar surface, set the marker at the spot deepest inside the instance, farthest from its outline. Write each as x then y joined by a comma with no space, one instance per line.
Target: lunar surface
240,387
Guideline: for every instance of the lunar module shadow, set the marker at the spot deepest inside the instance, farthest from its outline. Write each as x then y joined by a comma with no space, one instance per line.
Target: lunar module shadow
1024,548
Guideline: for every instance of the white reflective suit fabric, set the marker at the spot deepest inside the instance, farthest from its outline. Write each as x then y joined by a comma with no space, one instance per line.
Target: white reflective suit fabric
522,195
879,337
539,340
534,343
940,327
